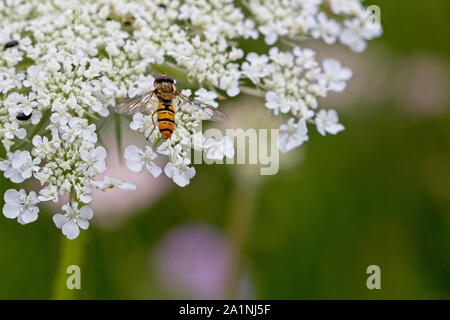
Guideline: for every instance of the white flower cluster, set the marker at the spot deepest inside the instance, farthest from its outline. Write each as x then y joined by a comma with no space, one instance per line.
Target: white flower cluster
293,82
64,63
330,20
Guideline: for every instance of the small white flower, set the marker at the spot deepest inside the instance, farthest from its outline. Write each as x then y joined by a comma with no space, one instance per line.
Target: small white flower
276,103
18,103
142,123
19,166
60,114
49,193
229,83
73,219
327,29
270,37
328,122
345,6
24,163
292,134
109,183
249,30
83,192
304,112
356,31
143,85
19,205
137,159
217,150
256,67
36,117
181,175
11,130
89,135
94,160
207,97
11,173
335,76
165,148
305,57
35,74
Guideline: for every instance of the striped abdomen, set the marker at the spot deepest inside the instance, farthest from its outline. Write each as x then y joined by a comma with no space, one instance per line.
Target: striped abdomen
166,118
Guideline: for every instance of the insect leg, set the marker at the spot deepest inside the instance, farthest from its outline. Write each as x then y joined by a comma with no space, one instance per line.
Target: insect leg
154,125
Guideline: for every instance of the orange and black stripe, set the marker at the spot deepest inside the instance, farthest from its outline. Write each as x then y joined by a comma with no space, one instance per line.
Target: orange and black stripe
166,118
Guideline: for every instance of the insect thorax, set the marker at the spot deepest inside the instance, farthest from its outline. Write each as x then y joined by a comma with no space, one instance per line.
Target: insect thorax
165,90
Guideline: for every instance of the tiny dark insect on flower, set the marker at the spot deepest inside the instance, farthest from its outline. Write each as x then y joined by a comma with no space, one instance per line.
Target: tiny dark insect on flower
22,117
11,43
162,6
129,21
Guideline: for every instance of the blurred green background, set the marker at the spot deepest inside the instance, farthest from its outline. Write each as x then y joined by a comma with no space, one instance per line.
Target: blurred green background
378,193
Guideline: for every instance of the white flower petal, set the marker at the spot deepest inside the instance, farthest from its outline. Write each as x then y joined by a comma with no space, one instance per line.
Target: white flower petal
11,210
135,165
59,220
70,230
29,216
83,224
154,170
86,213
129,185
132,152
11,196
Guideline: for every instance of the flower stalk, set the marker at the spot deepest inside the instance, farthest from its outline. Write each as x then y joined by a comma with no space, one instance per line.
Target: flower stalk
71,254
241,215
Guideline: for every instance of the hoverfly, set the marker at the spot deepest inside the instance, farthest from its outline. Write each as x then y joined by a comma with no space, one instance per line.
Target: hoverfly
166,95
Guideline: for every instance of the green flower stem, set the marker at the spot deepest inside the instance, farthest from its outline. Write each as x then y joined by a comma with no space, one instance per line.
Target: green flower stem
240,219
71,253
118,133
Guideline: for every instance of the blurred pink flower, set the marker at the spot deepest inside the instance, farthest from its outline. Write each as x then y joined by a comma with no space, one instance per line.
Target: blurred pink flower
195,261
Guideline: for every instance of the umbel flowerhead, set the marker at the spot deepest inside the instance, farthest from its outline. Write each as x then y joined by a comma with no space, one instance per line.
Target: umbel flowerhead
64,64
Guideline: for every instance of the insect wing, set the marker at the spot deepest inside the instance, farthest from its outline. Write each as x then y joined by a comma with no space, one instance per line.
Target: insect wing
213,114
129,105
133,105
207,111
